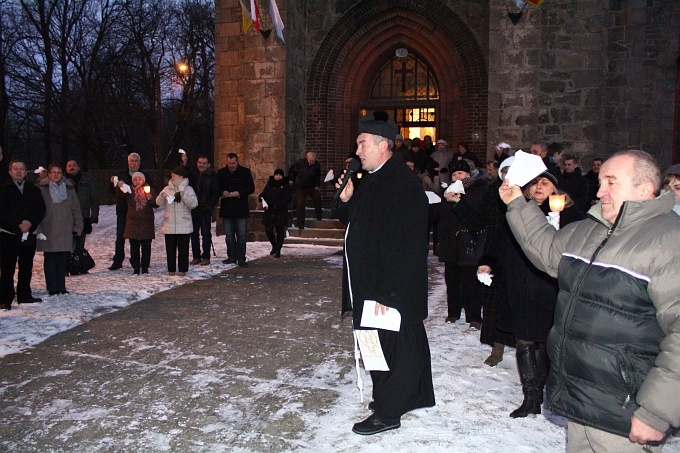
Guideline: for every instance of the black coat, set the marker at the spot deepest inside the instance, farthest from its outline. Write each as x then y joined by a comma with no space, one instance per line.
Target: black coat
386,241
465,215
15,207
278,196
304,175
207,188
241,181
576,185
527,295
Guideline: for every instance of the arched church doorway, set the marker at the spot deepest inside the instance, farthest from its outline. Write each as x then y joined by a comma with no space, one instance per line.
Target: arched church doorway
356,66
407,89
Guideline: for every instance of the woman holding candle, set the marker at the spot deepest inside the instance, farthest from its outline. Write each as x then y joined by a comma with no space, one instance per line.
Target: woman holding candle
139,222
527,295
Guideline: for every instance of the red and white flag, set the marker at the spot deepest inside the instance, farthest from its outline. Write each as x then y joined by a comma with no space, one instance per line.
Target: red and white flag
255,14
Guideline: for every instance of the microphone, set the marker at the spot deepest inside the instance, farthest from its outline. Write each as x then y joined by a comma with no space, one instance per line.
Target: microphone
353,167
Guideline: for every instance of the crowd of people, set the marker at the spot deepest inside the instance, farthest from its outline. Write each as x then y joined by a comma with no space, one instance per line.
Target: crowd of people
586,292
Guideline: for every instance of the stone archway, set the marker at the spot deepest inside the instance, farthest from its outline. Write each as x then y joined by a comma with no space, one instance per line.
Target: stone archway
363,40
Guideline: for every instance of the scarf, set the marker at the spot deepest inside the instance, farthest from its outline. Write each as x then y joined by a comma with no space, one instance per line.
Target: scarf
140,198
58,191
467,182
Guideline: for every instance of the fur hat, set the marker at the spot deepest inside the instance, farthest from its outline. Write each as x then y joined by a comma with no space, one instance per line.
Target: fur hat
378,123
139,174
459,165
180,171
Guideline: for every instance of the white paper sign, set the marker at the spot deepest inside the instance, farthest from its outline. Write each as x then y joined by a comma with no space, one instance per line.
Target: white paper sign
432,197
391,320
371,351
525,168
330,176
456,187
264,203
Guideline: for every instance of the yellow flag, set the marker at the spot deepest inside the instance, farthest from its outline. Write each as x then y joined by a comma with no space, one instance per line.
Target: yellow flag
245,16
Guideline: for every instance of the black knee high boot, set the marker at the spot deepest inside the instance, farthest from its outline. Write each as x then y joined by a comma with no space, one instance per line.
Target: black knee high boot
528,374
543,367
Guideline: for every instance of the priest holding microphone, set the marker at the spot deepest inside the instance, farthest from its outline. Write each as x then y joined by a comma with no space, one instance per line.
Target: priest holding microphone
386,254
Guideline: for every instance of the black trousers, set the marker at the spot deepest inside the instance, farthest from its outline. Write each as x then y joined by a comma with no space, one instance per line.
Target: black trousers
301,198
276,240
55,265
463,290
143,261
177,251
12,252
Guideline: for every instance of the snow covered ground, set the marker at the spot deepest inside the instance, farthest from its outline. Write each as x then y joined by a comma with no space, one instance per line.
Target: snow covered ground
473,400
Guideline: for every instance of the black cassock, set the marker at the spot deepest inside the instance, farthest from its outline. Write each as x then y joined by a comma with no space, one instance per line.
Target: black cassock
386,249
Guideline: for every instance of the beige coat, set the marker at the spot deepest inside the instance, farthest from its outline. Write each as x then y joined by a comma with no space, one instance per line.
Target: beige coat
61,220
177,216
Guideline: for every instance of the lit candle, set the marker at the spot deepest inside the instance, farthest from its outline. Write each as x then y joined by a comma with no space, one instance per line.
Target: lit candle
557,202
147,189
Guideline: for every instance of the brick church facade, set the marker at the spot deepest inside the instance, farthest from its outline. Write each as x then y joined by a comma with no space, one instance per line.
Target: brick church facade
595,75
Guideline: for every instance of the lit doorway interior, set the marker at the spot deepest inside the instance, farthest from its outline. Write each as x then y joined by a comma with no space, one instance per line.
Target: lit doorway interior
407,90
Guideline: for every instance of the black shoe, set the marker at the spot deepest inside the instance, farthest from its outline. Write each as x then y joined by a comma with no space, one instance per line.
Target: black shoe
29,300
376,424
195,261
242,263
53,293
277,254
115,267
64,292
229,261
6,307
135,272
145,271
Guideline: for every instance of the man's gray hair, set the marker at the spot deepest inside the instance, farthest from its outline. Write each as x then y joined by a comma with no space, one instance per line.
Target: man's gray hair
379,138
645,169
134,155
542,145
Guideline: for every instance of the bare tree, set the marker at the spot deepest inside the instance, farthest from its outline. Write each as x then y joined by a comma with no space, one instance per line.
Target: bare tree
193,58
147,24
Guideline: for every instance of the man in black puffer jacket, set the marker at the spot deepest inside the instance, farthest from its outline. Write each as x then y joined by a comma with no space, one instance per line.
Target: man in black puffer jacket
615,344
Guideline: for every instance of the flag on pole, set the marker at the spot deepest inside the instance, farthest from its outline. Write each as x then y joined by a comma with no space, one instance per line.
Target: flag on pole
245,16
276,19
255,14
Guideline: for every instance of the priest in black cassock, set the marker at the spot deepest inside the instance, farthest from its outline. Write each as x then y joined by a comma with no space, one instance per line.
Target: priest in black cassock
386,253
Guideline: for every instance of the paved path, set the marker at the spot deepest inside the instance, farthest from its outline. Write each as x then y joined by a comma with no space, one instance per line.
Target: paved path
224,364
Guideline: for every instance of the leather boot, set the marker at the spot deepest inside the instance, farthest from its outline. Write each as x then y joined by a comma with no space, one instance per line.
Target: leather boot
543,367
496,355
528,374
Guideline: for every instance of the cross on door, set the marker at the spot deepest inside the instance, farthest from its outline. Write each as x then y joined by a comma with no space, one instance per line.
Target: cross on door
403,71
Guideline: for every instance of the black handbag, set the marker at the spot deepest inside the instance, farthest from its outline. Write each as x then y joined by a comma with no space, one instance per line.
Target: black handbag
470,247
80,260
